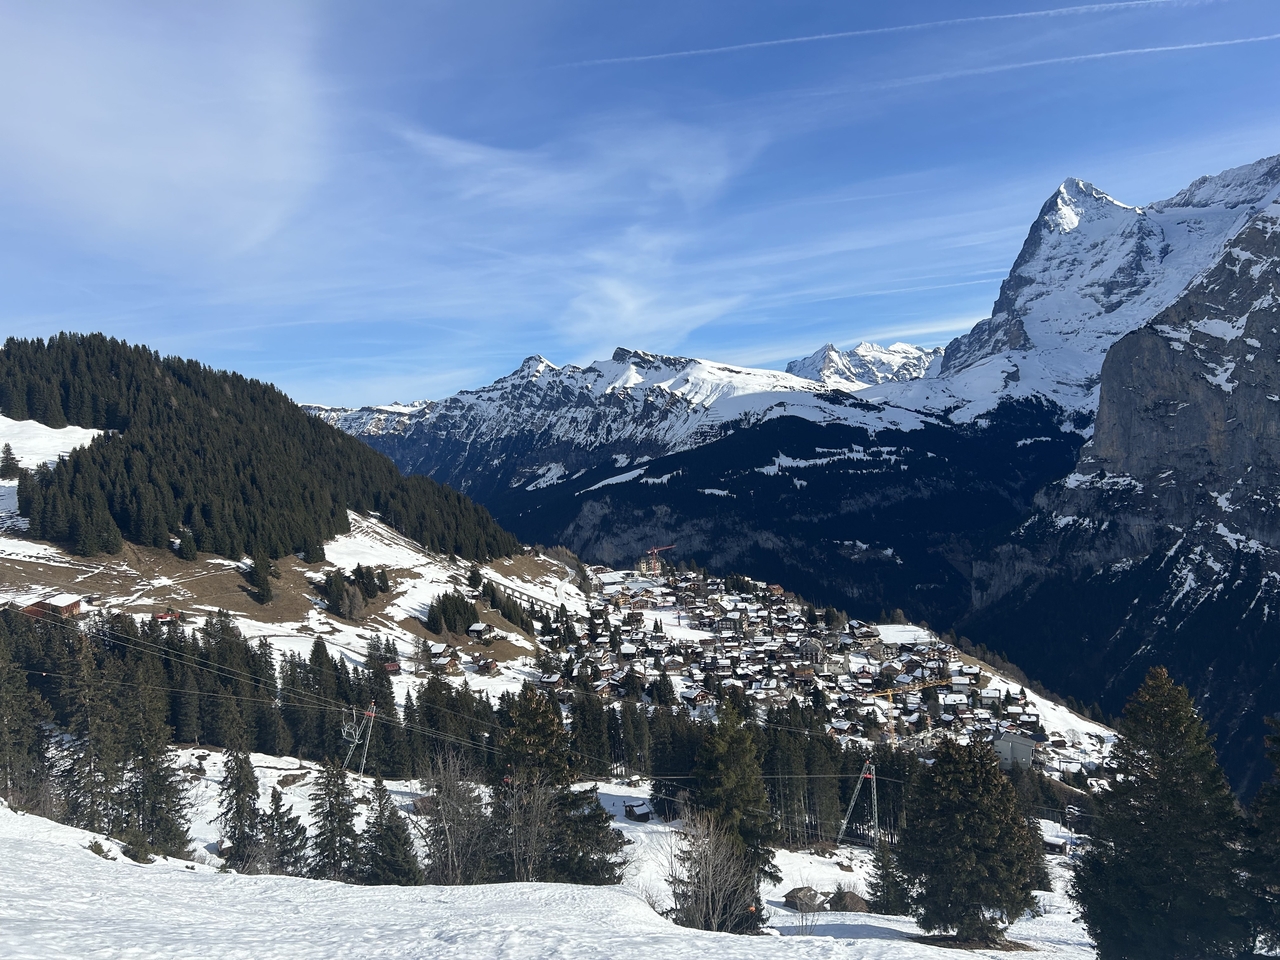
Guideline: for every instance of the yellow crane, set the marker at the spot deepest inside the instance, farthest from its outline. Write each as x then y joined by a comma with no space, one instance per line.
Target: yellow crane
910,687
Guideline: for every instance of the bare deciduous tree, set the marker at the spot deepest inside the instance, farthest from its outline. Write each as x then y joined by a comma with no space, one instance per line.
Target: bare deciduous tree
713,883
455,827
524,807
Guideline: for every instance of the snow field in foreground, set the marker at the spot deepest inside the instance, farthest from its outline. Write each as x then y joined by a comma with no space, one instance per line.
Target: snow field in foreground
59,900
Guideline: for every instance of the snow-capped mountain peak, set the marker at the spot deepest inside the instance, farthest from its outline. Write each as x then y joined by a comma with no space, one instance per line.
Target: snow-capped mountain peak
1076,201
866,365
1091,270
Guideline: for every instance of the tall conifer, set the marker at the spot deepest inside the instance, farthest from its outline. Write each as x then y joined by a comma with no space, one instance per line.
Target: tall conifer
238,813
387,853
970,855
284,839
729,785
887,890
1162,876
335,853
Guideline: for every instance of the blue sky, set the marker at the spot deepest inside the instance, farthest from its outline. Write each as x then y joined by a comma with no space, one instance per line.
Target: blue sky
366,202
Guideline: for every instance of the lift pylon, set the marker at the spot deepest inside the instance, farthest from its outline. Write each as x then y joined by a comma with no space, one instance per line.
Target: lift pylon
356,731
868,774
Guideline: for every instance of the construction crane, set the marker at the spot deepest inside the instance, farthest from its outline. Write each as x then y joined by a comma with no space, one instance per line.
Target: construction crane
910,687
654,566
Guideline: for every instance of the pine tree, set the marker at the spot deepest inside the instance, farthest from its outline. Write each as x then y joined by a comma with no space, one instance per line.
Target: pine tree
9,468
335,853
387,852
1264,848
664,691
729,784
970,855
590,737
534,738
887,890
238,811
1162,877
153,801
91,770
585,848
284,839
261,577
24,772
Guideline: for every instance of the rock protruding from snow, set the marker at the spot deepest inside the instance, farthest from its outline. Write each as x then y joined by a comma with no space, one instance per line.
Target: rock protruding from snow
1163,547
866,365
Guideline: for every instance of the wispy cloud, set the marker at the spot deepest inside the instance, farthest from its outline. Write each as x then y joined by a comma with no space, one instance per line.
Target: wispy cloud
608,163
193,133
1091,8
1075,58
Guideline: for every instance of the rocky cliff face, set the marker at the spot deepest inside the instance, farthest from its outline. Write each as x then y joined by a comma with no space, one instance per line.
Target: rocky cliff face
1169,527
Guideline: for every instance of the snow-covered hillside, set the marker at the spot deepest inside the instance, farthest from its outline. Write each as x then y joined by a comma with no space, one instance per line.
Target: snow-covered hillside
867,365
542,423
58,899
33,443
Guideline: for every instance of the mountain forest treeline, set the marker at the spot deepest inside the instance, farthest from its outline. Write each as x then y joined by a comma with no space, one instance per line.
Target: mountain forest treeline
222,463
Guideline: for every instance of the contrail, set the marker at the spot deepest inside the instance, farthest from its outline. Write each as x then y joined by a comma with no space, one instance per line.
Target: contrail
704,51
1076,58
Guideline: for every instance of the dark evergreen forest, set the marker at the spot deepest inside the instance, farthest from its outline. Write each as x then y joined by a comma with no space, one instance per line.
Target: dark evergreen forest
225,464
118,680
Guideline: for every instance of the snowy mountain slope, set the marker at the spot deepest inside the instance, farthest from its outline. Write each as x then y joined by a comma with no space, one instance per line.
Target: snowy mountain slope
542,423
868,522
866,365
33,443
1091,270
59,900
384,419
